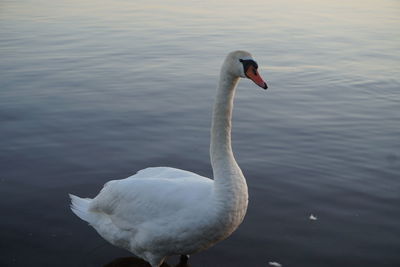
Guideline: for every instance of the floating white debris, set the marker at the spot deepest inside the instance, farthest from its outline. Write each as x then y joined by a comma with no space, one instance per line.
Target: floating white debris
274,263
313,218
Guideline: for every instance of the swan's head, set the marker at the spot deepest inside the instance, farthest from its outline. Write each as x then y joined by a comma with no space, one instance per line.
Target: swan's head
242,64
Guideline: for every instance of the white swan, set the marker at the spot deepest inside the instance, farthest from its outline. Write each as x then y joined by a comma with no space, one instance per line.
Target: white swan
165,211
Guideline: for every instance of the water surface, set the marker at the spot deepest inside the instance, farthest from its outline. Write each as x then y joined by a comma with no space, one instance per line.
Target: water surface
98,90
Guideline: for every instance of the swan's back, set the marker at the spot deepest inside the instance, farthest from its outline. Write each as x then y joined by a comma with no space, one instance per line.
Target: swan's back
152,194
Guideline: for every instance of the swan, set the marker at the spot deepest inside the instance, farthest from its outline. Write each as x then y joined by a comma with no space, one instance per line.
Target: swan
163,211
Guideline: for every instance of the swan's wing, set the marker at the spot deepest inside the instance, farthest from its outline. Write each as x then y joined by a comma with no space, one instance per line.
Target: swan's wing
153,194
166,173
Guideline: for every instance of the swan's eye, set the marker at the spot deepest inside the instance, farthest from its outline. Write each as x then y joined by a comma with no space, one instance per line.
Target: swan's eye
247,63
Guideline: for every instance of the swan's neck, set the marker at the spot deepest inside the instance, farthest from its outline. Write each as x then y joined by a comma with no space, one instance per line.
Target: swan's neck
230,185
221,148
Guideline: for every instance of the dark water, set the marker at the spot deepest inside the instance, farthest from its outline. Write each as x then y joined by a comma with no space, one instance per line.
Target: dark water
98,90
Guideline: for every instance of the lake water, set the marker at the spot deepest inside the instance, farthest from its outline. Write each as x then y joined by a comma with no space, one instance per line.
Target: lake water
96,90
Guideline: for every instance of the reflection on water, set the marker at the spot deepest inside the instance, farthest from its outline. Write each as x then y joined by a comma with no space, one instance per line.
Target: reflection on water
130,261
136,262
96,90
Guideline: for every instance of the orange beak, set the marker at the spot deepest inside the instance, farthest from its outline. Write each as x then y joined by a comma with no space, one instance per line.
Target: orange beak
253,75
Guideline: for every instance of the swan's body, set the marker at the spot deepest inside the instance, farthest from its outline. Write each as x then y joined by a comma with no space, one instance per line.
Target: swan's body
165,211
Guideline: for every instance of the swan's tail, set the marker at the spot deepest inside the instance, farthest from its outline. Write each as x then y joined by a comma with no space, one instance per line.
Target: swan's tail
80,206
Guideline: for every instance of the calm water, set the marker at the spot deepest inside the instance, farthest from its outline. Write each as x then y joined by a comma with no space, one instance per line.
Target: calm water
98,90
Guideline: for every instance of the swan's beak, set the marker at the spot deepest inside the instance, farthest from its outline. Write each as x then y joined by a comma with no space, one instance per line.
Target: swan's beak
253,75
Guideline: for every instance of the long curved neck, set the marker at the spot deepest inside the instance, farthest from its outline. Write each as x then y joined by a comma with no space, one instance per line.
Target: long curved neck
230,185
221,148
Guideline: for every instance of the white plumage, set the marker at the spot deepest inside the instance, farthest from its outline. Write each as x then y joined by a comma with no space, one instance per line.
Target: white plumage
163,211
